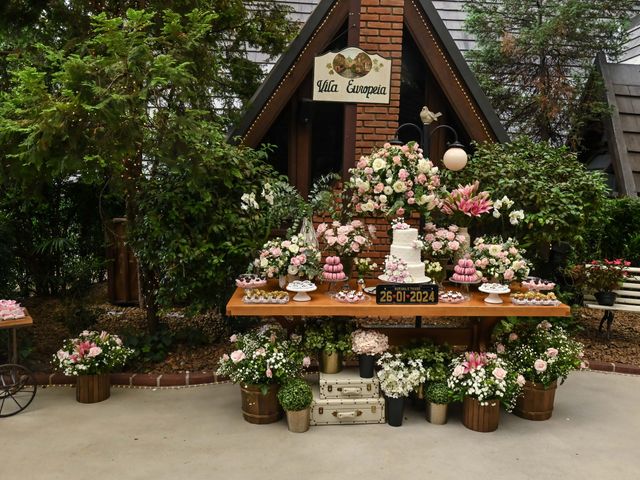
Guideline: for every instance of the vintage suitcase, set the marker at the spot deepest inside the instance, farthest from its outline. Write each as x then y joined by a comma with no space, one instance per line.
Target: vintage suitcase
348,384
346,411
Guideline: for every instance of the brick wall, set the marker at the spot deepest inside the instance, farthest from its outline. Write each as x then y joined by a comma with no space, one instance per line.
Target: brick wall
380,32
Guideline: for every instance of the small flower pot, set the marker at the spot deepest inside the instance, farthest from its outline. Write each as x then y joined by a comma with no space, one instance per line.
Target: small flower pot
536,401
366,363
480,418
437,413
93,388
258,408
606,298
395,411
330,362
298,421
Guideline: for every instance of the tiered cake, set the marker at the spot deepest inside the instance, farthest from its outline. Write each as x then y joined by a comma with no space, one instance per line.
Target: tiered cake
405,247
465,272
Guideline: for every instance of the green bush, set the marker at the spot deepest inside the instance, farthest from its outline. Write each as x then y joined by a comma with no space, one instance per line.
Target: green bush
437,392
328,335
435,359
557,193
295,395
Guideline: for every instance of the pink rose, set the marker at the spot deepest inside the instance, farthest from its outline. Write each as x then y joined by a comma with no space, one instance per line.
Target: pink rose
360,239
499,373
411,201
400,211
436,246
500,348
429,237
94,352
552,352
521,381
396,160
362,163
344,229
513,337
295,261
306,361
233,338
508,274
540,365
331,240
269,373
453,245
342,239
355,246
237,356
421,179
286,244
458,371
322,228
225,358
357,223
378,188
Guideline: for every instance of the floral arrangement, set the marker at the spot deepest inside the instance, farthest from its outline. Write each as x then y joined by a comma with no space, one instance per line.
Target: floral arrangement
499,259
442,242
10,309
369,342
600,275
328,335
393,180
435,271
515,216
263,357
396,270
399,224
348,239
365,266
485,377
399,376
92,353
435,360
466,203
294,256
543,354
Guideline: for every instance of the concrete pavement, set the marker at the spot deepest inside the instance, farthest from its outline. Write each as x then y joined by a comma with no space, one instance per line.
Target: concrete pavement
199,433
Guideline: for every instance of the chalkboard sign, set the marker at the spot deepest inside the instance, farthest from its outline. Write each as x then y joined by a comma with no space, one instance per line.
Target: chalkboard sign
403,294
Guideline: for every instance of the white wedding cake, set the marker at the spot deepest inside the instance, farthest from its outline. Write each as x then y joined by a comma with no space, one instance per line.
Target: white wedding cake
406,247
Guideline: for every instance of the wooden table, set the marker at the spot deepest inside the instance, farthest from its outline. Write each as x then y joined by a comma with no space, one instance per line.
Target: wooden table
482,316
14,324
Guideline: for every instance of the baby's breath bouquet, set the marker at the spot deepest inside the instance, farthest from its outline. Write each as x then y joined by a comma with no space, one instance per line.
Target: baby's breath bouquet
263,357
92,353
485,377
399,376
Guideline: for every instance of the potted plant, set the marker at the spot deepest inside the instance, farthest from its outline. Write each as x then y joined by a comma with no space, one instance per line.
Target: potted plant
601,277
435,360
367,344
483,381
398,378
331,338
261,361
295,397
543,355
437,396
91,357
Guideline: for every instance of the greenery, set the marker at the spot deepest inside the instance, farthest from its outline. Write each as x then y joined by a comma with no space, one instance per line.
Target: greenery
328,335
295,395
542,354
599,275
437,392
556,192
150,347
435,359
535,59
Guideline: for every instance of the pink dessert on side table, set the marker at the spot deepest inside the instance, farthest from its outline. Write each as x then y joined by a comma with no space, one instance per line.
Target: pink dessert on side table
465,272
333,269
10,310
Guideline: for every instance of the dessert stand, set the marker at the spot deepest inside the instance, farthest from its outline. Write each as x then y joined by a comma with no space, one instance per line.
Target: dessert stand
464,287
302,293
332,284
494,293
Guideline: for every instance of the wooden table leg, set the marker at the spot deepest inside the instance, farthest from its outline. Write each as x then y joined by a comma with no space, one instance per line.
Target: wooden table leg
487,324
14,352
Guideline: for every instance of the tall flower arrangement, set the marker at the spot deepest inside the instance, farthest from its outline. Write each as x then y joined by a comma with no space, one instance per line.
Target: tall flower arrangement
399,376
485,377
263,357
91,353
293,256
465,203
543,354
440,242
394,180
347,239
499,259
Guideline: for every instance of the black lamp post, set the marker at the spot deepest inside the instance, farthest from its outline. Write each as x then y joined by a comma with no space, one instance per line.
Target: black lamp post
455,158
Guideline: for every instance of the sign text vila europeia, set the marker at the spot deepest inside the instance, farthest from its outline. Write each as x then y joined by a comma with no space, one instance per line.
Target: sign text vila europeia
351,75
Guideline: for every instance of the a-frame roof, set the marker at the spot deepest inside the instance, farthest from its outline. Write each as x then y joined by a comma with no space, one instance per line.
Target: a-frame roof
323,24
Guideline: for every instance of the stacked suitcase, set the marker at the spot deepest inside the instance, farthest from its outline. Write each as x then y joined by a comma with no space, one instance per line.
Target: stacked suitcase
346,399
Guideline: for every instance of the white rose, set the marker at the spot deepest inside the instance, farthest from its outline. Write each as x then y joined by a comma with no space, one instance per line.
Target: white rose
382,198
293,248
378,164
399,187
388,190
422,200
264,263
424,166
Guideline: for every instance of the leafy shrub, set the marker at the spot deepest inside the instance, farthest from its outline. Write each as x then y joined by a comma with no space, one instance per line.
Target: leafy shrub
435,359
149,348
556,192
295,395
437,392
328,335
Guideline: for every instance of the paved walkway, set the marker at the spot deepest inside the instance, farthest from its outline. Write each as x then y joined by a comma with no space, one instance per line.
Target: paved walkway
198,433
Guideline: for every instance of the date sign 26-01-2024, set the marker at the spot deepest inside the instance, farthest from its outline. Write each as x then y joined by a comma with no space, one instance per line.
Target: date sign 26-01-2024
398,293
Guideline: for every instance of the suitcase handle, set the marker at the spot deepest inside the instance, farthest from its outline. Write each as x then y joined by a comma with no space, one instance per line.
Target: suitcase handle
350,390
353,414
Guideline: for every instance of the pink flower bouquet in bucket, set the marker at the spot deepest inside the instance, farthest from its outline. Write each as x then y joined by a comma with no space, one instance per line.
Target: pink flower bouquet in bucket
466,203
347,239
92,353
369,342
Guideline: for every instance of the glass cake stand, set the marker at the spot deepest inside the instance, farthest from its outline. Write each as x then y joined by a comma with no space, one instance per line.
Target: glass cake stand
332,287
464,287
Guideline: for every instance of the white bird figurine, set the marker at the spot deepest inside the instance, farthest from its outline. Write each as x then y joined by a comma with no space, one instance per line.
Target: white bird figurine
428,117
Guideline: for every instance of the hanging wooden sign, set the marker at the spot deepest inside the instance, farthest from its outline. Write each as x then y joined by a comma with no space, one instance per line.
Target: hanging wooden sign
351,76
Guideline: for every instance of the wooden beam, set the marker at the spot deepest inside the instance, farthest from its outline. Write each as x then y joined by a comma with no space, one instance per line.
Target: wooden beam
350,109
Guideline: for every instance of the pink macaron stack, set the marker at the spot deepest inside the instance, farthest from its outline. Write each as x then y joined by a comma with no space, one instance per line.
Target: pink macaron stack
333,269
464,271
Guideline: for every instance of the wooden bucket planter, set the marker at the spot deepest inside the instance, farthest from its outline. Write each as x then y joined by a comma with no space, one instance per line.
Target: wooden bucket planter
478,417
93,388
258,408
536,402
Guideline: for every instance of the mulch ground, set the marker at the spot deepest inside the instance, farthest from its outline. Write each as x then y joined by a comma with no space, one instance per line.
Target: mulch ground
52,325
